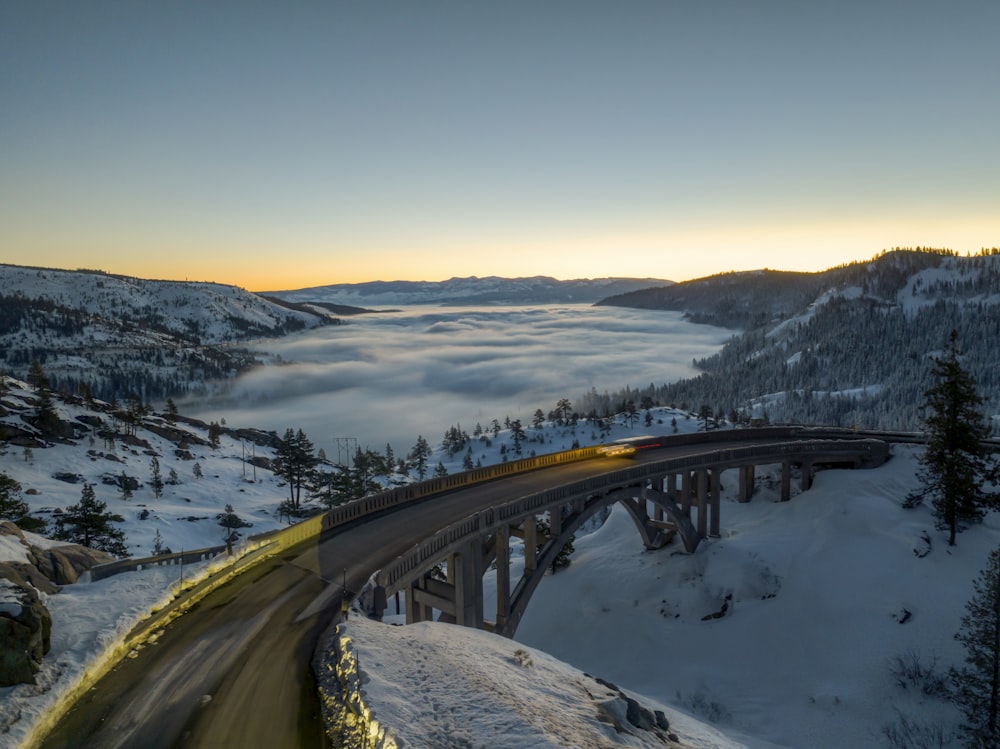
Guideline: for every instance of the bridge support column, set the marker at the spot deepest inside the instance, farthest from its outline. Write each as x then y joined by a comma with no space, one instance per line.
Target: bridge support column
807,475
686,493
466,574
503,577
530,545
786,481
657,484
555,521
701,477
714,492
668,485
746,483
416,609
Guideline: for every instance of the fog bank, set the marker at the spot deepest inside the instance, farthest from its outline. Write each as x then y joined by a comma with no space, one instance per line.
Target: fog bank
389,377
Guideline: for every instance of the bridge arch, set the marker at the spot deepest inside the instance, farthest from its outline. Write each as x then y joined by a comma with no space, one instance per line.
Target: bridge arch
469,546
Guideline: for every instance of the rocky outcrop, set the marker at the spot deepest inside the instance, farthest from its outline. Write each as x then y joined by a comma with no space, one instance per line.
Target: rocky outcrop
25,623
25,629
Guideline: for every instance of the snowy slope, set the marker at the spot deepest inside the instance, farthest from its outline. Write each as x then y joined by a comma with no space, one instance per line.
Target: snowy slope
802,657
119,336
210,312
440,685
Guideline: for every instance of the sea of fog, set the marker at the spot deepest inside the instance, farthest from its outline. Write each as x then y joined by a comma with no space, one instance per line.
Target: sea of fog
389,377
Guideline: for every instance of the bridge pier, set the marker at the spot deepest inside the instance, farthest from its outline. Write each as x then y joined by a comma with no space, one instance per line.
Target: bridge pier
714,493
530,536
555,521
807,471
686,493
418,607
701,481
746,482
458,598
503,577
786,480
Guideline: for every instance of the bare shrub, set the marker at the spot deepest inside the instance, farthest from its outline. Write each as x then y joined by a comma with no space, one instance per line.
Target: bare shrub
905,733
909,669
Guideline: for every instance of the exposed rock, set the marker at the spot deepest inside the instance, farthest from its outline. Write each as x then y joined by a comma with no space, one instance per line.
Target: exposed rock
25,632
25,575
661,720
69,478
25,623
175,434
8,528
91,420
19,437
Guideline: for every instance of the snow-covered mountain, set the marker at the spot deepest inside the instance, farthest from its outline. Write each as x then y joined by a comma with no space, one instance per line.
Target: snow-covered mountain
120,336
850,345
470,291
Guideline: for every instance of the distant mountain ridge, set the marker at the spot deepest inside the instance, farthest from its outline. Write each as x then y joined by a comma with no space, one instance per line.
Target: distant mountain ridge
471,290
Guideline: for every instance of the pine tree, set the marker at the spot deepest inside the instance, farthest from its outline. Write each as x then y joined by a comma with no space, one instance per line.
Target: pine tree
231,522
977,685
517,434
158,547
89,523
214,433
45,418
440,471
955,464
12,506
418,456
196,470
156,478
295,462
125,485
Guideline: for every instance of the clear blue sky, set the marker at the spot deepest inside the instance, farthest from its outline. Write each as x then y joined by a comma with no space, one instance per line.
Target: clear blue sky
282,145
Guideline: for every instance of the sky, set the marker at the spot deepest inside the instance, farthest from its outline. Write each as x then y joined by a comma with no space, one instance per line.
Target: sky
280,146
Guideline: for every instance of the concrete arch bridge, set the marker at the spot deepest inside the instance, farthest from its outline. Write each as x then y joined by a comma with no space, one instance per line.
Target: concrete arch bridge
665,497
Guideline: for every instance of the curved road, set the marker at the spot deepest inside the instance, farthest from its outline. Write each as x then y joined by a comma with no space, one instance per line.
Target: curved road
235,671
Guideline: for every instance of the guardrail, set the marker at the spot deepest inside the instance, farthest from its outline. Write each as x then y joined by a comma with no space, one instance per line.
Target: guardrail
410,493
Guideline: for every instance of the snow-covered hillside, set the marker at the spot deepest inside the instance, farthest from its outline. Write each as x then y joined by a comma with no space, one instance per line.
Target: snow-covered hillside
470,291
118,335
830,593
848,346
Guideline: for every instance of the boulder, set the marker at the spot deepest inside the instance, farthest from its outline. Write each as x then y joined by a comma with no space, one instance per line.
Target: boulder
25,623
69,562
25,632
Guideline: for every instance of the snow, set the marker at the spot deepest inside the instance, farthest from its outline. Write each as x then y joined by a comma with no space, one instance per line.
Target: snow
441,685
802,656
819,585
209,307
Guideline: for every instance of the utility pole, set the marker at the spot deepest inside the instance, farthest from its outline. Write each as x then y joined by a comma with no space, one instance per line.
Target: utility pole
346,448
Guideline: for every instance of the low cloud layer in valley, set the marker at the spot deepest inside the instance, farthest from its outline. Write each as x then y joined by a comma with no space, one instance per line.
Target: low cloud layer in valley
388,377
